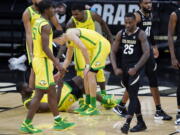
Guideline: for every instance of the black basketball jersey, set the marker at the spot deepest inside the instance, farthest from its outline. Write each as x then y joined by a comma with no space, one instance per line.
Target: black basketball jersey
145,23
177,43
131,47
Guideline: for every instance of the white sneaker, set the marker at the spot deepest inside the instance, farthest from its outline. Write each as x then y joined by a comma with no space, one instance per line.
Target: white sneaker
177,122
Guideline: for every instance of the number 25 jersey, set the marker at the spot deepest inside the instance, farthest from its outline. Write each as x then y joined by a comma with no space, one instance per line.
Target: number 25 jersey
131,47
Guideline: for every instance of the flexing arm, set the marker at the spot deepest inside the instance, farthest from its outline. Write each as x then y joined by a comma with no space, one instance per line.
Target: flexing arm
27,26
104,26
72,35
45,45
171,31
145,48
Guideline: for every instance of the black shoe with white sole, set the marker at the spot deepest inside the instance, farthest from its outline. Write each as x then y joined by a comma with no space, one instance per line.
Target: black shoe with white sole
119,110
161,115
125,128
139,127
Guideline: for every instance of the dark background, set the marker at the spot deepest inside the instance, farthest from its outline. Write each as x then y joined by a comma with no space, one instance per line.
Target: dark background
12,40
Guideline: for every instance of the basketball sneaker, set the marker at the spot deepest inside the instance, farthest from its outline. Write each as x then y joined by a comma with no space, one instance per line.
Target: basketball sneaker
177,122
62,125
139,127
81,108
28,128
125,128
161,115
90,111
81,102
119,110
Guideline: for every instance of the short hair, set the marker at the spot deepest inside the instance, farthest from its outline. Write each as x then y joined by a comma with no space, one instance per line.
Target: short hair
130,15
140,1
43,5
78,6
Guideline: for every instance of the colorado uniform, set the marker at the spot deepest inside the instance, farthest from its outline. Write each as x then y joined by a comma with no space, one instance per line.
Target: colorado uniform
131,53
150,66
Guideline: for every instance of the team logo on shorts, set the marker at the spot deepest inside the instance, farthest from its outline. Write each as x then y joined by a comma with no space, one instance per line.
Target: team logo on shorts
97,63
42,82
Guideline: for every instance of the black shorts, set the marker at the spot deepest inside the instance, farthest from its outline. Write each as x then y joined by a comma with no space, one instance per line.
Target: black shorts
76,91
151,71
128,80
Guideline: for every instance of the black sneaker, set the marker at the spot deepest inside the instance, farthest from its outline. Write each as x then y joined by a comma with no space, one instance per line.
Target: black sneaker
120,110
125,128
139,127
177,122
161,115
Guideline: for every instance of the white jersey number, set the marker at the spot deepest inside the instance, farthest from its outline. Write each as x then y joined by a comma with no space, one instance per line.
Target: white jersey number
128,49
148,31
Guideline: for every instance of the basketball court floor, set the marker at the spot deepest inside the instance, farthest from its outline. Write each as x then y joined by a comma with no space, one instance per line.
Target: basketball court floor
107,123
12,112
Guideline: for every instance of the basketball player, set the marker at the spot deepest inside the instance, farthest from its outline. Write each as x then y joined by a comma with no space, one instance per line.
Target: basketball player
86,19
144,22
95,49
174,29
67,93
29,17
43,67
135,52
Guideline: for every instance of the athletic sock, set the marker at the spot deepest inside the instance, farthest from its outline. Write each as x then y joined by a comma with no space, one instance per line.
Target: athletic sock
93,101
128,121
28,121
104,101
158,108
87,99
103,92
57,118
139,118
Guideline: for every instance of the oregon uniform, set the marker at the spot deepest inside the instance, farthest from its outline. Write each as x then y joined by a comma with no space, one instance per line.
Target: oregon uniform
69,94
98,47
34,15
78,57
42,65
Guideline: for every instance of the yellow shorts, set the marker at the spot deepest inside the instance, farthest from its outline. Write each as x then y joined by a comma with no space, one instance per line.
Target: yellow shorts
67,99
66,104
79,60
100,54
43,69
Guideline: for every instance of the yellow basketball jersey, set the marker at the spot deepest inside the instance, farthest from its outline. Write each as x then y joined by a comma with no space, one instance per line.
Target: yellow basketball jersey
90,39
88,24
34,15
36,36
